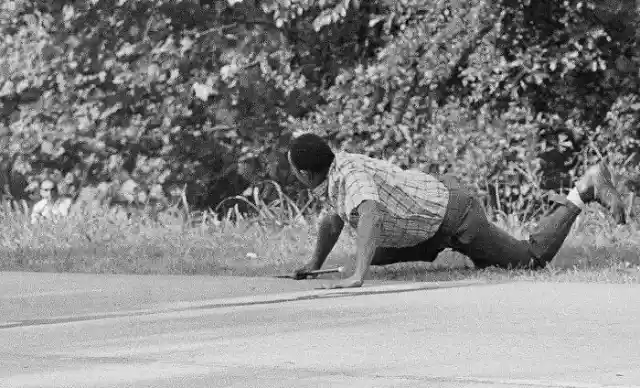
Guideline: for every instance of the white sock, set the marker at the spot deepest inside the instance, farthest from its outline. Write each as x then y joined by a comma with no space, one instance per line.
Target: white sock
574,197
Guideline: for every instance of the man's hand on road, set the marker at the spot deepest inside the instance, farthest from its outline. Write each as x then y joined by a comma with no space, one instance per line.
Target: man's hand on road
352,282
302,273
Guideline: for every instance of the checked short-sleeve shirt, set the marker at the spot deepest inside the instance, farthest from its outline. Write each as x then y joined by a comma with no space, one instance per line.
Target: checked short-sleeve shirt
415,202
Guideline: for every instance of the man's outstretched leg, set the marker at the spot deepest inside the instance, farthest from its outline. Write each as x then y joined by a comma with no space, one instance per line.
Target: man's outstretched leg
487,245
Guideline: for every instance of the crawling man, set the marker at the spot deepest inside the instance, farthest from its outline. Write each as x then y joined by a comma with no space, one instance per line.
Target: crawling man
407,215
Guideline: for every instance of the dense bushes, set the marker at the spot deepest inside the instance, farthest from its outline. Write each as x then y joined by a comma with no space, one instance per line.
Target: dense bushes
510,94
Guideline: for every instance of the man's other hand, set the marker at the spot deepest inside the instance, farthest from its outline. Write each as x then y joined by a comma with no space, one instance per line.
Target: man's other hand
303,272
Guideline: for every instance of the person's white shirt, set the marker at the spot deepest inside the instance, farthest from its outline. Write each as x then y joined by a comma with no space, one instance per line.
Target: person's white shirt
52,210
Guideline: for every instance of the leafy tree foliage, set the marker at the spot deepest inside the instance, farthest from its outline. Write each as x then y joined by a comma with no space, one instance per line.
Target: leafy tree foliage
511,94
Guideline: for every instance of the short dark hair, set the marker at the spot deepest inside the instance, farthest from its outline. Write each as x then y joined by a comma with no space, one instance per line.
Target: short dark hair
310,152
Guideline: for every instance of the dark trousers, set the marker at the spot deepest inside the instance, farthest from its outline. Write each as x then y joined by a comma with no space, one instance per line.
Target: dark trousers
467,230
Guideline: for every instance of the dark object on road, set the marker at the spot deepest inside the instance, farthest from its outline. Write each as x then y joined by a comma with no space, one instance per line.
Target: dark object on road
312,273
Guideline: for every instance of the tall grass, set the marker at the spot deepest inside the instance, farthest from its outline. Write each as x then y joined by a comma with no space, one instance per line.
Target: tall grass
277,237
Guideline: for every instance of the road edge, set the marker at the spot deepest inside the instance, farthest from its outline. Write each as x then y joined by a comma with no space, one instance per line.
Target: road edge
252,300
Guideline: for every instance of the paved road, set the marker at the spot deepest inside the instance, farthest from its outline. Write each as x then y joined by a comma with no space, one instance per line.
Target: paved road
503,335
29,295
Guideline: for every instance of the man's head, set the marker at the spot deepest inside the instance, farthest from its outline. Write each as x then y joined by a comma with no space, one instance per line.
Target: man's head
310,158
48,189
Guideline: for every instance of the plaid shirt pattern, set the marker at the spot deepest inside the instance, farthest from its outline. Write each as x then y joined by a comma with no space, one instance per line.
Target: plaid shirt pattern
415,202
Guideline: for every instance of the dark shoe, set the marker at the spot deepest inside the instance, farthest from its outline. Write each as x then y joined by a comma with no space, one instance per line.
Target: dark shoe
596,185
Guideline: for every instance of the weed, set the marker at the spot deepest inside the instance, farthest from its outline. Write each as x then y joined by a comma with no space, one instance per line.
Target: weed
277,237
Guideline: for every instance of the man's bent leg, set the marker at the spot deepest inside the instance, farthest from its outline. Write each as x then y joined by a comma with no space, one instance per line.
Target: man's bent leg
488,245
426,251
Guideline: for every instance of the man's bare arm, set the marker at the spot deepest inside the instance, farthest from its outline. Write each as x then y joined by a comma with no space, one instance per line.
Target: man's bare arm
368,235
329,231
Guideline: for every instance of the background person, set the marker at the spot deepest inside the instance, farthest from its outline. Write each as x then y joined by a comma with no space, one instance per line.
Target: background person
51,206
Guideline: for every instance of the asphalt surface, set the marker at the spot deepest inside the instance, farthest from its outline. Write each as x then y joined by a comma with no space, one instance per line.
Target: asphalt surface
503,335
28,295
